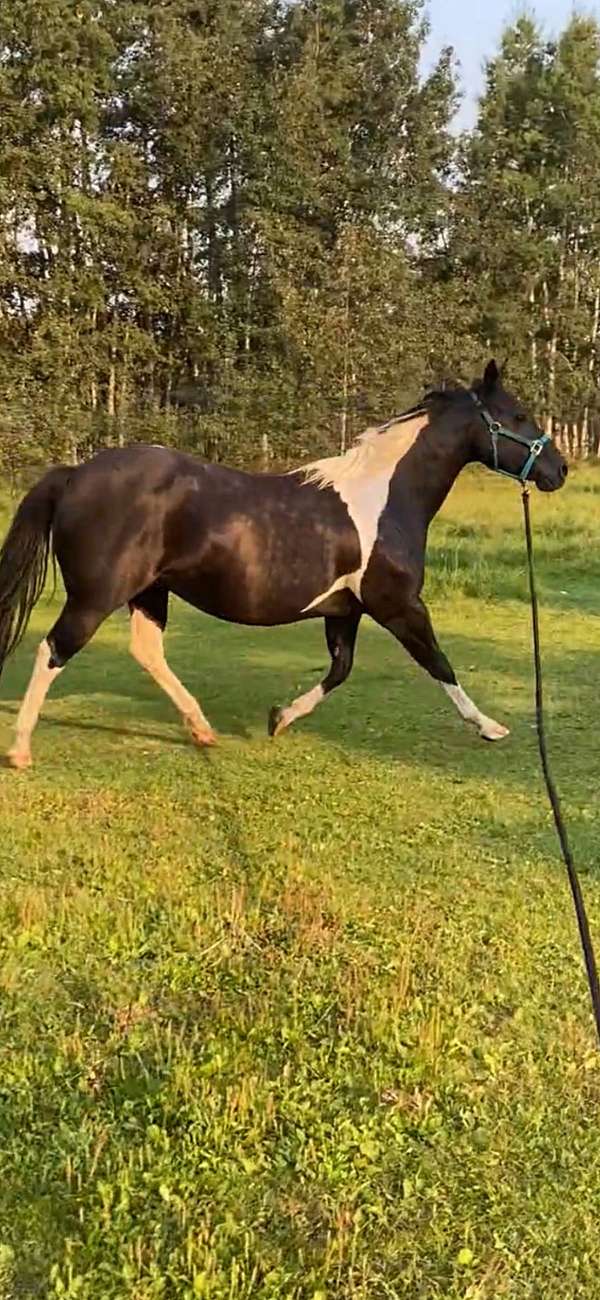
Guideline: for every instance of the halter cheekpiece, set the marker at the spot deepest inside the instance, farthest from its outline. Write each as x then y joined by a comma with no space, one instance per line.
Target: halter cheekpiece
497,430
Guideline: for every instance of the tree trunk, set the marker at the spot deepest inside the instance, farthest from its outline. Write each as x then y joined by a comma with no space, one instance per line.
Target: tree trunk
112,383
552,348
591,369
93,383
213,267
345,374
532,331
533,343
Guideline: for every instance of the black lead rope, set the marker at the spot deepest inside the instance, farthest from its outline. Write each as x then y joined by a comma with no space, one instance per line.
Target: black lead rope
582,921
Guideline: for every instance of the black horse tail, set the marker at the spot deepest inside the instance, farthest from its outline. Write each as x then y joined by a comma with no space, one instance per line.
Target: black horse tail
24,557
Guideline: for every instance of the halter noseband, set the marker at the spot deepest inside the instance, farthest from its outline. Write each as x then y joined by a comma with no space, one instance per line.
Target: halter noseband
497,430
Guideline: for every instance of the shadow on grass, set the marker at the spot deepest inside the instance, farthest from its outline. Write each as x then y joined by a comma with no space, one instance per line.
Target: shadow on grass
385,711
71,724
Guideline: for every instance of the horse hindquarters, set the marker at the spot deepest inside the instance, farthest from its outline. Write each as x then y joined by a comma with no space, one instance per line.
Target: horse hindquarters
105,556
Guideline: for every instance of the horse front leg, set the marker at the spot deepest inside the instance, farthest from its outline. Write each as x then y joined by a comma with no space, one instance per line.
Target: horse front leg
413,628
341,639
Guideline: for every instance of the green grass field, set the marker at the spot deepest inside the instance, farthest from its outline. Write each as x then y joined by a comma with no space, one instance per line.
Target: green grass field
307,1019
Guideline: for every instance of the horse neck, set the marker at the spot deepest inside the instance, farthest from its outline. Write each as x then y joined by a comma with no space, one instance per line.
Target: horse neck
423,478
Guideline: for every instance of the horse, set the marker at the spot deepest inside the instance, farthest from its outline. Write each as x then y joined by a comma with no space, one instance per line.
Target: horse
336,539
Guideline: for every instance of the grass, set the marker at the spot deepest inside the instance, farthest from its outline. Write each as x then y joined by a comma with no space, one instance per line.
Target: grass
308,1019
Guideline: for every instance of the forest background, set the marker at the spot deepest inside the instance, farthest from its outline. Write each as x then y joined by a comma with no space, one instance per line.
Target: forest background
248,228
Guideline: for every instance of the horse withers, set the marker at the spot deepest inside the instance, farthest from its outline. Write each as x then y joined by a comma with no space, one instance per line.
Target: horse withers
335,539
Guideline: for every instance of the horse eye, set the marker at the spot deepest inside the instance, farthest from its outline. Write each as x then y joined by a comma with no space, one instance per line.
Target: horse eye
520,417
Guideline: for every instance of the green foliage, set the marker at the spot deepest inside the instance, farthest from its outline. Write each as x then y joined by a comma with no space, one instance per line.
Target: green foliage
527,231
309,1018
247,228
205,215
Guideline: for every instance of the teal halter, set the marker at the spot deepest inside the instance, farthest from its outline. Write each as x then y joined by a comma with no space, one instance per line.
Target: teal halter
499,430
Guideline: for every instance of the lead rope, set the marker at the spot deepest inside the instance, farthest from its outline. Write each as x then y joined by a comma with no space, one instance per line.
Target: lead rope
582,921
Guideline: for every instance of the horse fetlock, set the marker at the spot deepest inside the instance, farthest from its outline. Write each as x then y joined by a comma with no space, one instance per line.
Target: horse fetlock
19,759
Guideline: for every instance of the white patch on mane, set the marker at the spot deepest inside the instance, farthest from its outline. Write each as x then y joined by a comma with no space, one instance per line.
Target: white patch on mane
374,452
361,477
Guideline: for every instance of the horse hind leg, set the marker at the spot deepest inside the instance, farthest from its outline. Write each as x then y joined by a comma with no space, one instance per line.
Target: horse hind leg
73,629
148,621
341,640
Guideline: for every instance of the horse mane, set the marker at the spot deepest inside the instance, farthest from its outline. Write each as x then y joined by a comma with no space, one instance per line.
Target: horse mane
377,448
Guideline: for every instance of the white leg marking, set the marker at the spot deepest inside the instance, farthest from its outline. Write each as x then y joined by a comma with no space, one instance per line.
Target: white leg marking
486,727
300,708
40,682
147,647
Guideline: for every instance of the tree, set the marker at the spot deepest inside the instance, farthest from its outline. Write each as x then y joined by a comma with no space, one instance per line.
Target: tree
247,228
525,231
359,153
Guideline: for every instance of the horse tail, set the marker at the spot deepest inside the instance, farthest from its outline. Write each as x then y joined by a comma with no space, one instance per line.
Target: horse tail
24,557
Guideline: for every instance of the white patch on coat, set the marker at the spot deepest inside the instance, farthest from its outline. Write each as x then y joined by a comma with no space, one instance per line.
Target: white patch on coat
361,478
486,727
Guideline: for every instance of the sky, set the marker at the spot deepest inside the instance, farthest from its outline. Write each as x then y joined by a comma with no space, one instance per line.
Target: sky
474,26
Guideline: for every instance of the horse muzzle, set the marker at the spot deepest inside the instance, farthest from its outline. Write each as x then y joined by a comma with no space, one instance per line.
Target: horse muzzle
550,480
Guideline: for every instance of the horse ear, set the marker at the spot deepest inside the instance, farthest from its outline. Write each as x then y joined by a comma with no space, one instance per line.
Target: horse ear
491,377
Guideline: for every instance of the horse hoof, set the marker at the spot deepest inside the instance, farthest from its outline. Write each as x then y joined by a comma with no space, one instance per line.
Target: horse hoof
203,737
19,760
275,720
494,731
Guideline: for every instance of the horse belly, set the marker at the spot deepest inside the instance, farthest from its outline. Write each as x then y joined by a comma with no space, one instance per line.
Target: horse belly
257,594
265,567
238,604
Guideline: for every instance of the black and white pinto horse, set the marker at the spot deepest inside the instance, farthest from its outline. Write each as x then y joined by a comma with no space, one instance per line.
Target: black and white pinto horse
335,539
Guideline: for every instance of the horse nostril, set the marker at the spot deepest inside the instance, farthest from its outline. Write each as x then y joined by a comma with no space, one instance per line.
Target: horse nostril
564,471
